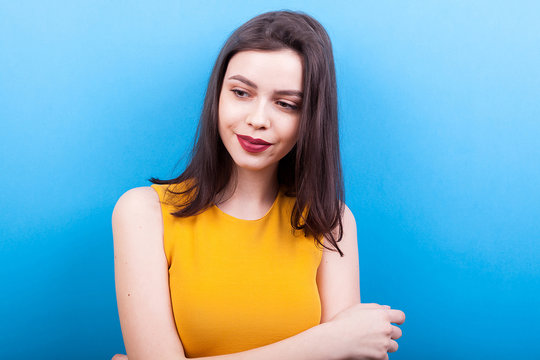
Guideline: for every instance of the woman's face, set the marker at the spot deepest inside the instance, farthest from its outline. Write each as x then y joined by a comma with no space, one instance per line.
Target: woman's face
259,107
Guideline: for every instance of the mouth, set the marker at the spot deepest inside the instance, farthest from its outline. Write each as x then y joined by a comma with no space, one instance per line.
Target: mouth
252,145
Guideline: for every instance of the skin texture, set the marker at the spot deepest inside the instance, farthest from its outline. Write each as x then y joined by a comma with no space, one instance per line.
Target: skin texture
253,102
348,329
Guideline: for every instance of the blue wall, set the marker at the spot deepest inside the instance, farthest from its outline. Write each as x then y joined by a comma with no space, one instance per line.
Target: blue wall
440,129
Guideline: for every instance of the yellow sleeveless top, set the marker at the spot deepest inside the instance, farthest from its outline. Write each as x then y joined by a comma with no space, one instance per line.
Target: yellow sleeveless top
239,284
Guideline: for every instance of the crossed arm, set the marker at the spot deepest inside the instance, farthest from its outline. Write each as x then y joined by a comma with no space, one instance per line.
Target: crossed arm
142,290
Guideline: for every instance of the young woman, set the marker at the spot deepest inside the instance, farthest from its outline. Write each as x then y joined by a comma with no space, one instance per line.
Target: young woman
238,257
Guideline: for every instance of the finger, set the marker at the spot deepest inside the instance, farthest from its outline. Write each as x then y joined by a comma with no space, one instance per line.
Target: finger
396,332
393,346
374,306
396,316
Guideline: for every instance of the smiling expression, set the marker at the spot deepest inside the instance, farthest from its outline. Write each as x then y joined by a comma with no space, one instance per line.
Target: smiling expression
259,107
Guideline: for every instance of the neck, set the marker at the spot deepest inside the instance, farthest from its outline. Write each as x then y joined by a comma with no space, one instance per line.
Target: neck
257,187
253,195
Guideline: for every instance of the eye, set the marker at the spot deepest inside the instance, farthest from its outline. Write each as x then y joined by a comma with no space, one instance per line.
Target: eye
287,105
240,93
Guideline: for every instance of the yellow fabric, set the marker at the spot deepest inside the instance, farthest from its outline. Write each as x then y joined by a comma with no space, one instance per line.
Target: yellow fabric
239,284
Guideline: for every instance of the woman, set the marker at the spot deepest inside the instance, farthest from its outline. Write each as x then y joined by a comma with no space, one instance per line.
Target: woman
226,260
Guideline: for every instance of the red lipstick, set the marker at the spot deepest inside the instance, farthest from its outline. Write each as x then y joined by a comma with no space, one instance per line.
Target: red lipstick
252,145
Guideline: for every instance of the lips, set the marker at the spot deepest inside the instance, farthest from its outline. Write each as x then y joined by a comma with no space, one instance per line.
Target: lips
253,141
252,145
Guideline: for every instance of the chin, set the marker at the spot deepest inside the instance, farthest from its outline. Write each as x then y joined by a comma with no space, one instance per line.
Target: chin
252,165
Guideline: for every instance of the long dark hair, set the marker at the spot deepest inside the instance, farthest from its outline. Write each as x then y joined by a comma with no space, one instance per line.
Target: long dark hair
311,171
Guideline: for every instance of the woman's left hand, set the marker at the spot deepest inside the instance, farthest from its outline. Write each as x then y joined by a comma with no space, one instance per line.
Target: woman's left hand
119,357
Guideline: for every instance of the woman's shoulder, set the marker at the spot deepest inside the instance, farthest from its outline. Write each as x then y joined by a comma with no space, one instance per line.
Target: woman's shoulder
139,197
140,205
137,225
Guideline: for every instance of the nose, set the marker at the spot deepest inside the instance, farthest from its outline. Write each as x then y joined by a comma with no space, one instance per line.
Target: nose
258,116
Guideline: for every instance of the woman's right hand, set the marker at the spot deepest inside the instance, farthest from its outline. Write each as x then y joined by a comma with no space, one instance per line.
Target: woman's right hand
365,332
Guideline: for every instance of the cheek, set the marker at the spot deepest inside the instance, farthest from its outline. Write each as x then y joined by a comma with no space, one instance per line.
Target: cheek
221,110
229,110
293,130
289,135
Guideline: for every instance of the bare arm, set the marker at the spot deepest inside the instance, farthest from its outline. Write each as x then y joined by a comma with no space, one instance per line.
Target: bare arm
142,291
338,278
141,278
307,345
145,311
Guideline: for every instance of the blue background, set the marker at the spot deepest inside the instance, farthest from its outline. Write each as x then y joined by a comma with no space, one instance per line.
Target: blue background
440,126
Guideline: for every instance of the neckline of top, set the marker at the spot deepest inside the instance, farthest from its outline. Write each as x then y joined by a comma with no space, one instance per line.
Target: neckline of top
250,220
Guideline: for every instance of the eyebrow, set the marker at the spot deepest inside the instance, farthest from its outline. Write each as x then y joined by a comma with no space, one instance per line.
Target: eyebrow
253,85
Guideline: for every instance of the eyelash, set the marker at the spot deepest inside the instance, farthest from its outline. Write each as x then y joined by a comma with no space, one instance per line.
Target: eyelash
286,105
238,92
283,104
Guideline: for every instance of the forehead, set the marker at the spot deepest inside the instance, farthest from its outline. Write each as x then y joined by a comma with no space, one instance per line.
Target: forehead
273,70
